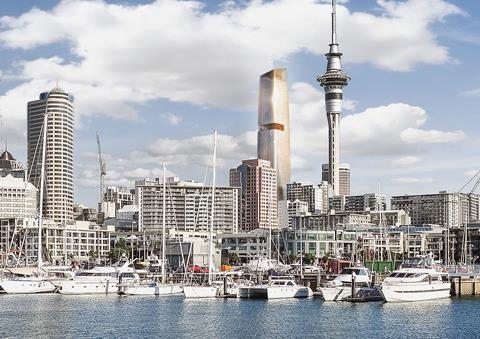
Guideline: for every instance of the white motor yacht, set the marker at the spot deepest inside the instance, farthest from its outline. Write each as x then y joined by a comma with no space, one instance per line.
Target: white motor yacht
417,279
98,280
27,285
149,288
275,289
341,287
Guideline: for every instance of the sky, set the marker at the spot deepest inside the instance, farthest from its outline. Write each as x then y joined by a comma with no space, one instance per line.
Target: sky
154,78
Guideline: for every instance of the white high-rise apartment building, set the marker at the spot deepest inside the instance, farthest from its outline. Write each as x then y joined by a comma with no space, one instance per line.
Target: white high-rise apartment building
188,206
58,194
344,178
18,198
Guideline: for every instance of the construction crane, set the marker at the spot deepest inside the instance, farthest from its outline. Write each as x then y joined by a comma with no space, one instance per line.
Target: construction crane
103,172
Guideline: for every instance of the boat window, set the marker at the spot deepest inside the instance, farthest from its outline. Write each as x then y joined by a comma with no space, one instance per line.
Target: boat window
444,278
290,283
356,270
401,275
393,275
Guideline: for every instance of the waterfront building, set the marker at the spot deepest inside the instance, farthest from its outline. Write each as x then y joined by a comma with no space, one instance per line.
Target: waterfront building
332,221
333,82
287,210
61,244
9,165
257,181
344,178
365,202
315,196
274,126
337,203
472,247
247,246
115,198
390,218
443,208
18,198
58,197
188,206
82,213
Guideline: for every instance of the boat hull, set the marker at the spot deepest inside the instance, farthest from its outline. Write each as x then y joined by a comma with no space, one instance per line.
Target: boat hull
415,292
72,287
335,293
275,292
192,292
150,290
26,286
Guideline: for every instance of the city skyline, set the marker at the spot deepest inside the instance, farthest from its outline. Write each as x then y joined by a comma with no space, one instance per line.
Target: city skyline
402,130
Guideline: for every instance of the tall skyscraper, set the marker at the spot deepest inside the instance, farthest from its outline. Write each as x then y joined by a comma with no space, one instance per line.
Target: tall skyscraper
258,193
333,82
58,193
343,178
274,126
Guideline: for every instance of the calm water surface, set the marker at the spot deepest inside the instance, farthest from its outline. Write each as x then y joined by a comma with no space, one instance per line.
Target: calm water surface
113,316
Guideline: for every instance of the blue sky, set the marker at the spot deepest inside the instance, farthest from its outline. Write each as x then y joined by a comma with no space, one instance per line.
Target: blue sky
155,77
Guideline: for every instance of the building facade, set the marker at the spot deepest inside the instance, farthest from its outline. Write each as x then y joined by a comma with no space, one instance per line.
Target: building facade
9,165
365,202
274,126
443,208
18,198
315,196
343,178
188,206
58,197
257,181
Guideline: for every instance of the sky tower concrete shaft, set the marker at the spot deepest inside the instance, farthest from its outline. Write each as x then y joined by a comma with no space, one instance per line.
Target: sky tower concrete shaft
333,82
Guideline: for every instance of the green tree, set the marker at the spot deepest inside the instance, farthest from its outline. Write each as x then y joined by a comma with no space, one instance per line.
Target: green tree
119,250
308,258
292,258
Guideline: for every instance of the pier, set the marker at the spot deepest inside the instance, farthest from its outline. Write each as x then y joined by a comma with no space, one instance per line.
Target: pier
465,285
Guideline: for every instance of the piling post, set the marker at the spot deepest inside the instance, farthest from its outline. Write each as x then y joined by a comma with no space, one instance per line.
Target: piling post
460,286
353,285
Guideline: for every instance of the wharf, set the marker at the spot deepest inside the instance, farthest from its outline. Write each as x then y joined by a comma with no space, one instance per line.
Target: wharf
465,284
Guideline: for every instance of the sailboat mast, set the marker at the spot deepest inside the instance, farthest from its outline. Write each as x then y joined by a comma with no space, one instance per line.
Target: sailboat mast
42,184
164,210
210,243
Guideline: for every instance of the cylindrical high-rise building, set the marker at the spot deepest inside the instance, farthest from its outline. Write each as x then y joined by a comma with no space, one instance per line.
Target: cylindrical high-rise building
58,193
274,126
333,82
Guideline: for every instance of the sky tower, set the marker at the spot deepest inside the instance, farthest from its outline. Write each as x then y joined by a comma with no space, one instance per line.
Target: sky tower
333,82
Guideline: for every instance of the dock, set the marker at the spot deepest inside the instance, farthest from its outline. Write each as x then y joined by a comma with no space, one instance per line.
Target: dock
465,285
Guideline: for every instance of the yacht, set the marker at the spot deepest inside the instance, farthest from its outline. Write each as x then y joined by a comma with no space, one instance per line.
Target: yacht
341,287
98,280
27,285
143,287
280,288
417,279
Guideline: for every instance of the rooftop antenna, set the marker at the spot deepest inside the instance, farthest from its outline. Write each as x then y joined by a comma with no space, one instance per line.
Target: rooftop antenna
334,22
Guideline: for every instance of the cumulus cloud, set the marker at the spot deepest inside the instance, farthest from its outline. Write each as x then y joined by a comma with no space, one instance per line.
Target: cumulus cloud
405,161
394,129
173,119
179,51
415,135
413,180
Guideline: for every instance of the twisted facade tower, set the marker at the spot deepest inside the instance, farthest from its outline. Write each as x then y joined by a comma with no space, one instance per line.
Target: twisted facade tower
333,82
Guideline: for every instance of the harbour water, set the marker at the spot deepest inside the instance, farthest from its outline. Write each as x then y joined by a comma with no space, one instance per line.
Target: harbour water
113,316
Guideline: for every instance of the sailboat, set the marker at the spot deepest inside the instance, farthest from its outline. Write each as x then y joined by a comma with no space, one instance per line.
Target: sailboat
34,283
152,287
208,290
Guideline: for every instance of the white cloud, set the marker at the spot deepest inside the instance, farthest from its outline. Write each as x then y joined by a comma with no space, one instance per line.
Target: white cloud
394,129
406,161
472,93
413,180
415,135
176,50
173,119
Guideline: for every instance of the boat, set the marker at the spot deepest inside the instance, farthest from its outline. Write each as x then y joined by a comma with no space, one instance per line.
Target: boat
209,290
275,288
98,280
27,285
340,288
149,288
417,279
